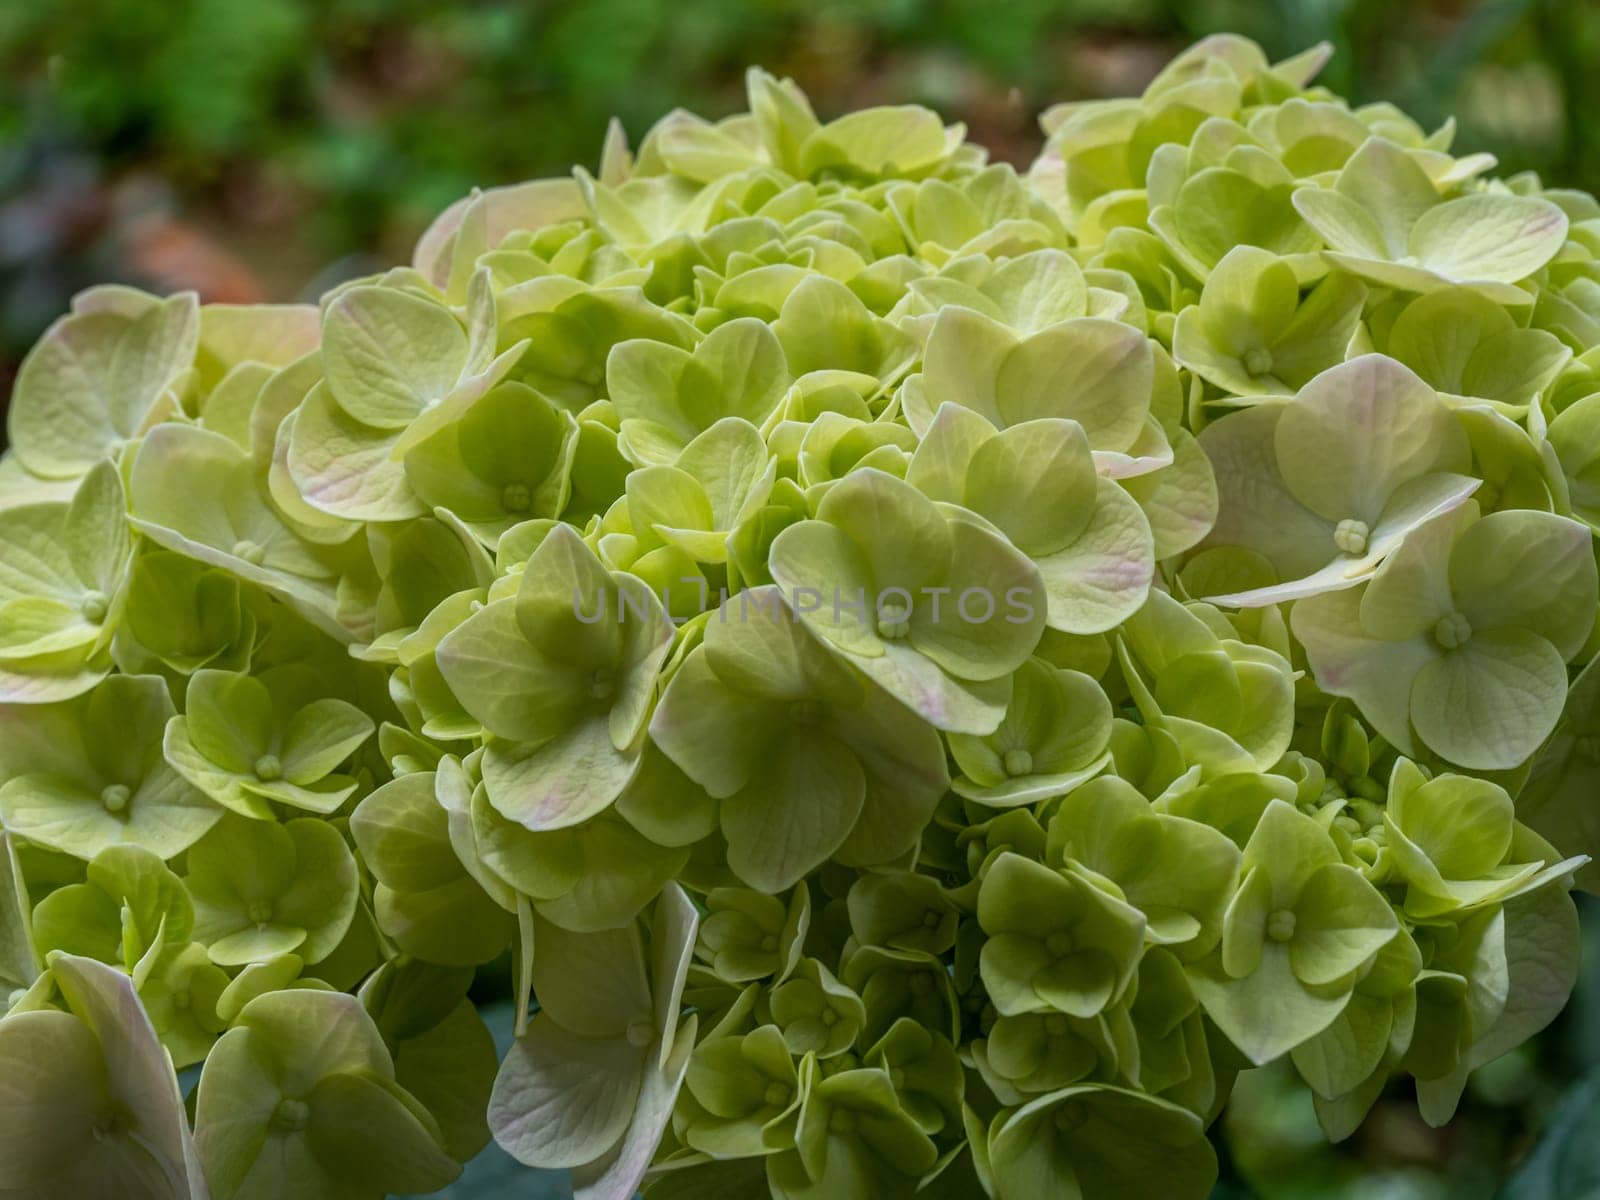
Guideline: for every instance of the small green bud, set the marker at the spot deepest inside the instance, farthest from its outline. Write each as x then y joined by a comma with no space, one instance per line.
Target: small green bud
1452,631
1351,536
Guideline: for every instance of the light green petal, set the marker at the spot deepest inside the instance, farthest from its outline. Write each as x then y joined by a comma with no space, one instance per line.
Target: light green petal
1528,570
1392,187
95,379
797,811
1341,922
1377,675
1119,1140
367,1132
1462,824
561,1100
1357,432
1409,594
560,782
230,719
1248,300
1496,237
1256,510
1103,577
503,681
1340,1058
1099,373
320,736
1180,501
1036,482
1488,704
346,469
388,355
1268,1012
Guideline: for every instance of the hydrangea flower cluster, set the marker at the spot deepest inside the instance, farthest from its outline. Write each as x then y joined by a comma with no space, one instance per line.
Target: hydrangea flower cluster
926,671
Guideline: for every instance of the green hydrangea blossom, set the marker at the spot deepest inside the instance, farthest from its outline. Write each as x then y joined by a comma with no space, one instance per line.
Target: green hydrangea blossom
100,377
1460,643
1469,348
261,889
88,773
90,1100
806,762
1324,487
1301,926
1251,334
1384,220
867,575
1056,734
251,741
920,669
296,1094
61,588
129,907
1228,704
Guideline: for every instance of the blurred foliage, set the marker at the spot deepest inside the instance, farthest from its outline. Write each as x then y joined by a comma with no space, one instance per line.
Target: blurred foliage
1528,1127
239,146
265,148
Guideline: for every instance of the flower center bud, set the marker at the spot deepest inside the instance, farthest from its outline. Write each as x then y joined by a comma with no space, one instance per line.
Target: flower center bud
602,684
1056,1025
641,1031
291,1115
1257,361
252,553
516,497
114,799
894,619
776,1095
1280,925
93,607
1018,762
829,1017
1351,536
180,1000
769,945
932,919
1060,943
259,911
268,768
1452,631
592,375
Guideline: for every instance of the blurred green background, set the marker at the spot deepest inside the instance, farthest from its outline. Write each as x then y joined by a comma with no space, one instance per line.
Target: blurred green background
265,149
